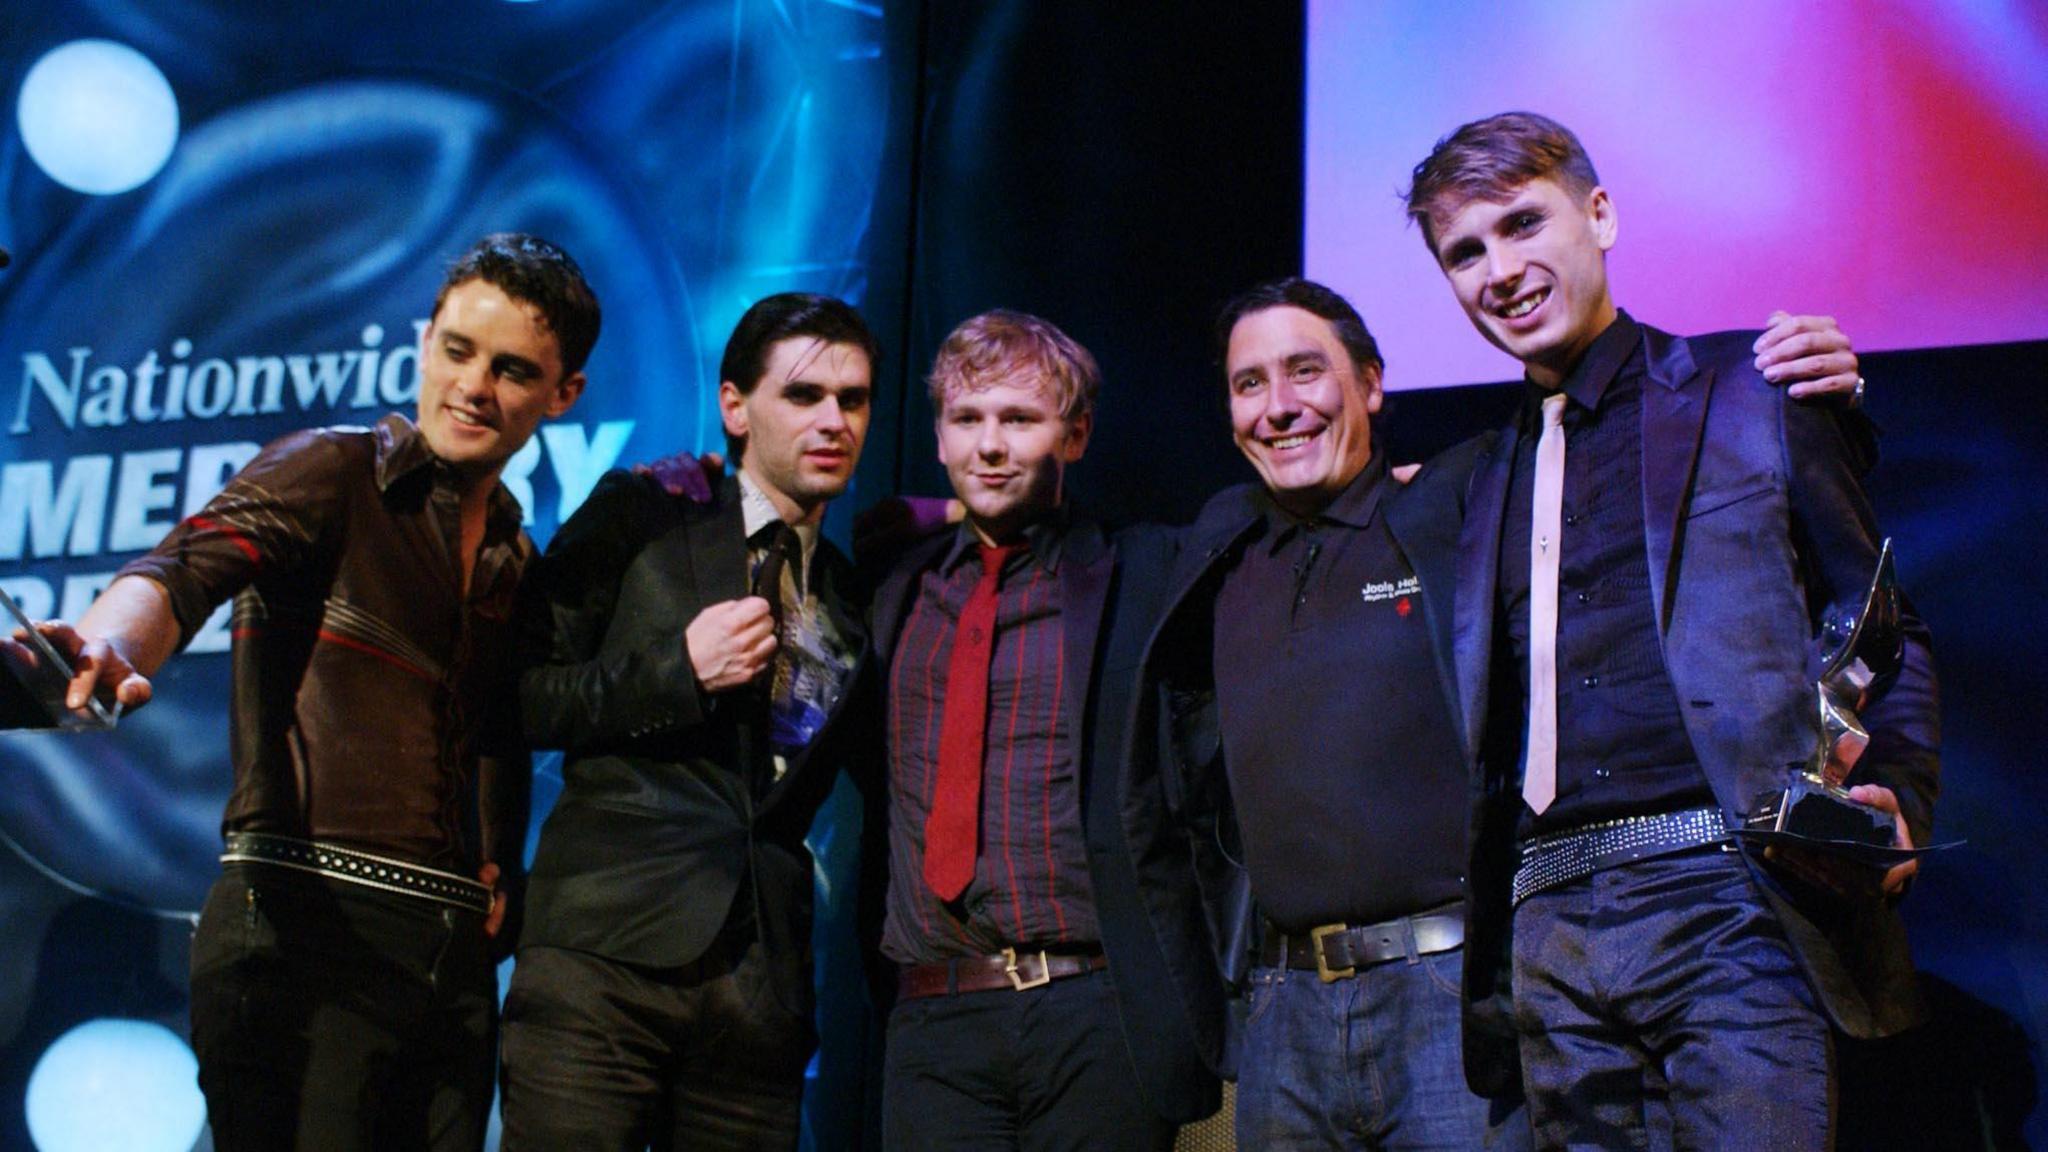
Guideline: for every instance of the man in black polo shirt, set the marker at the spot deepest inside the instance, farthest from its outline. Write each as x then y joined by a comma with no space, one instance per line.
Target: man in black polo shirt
1646,553
1338,733
1315,612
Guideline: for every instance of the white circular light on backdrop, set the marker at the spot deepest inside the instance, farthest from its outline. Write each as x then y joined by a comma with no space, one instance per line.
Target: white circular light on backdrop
97,116
128,1084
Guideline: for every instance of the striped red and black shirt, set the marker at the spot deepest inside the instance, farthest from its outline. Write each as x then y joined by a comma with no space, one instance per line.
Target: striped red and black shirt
1030,884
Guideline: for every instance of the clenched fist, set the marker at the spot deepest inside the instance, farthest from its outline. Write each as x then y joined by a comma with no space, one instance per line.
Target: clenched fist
730,642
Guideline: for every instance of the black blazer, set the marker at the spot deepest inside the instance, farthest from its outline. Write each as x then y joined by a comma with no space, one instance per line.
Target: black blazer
1179,823
1755,522
1110,588
666,810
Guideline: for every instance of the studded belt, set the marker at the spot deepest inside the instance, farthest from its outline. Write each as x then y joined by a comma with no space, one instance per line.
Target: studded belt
1558,858
351,866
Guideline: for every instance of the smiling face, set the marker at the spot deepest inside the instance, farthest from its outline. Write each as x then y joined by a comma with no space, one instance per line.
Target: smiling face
1006,449
1300,409
803,423
1530,271
490,372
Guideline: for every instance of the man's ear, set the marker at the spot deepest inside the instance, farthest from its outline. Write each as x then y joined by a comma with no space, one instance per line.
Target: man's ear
1375,395
1074,441
566,394
939,407
1606,221
732,408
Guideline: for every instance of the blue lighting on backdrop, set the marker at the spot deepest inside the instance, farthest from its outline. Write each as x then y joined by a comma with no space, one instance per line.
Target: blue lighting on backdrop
98,117
126,1084
296,178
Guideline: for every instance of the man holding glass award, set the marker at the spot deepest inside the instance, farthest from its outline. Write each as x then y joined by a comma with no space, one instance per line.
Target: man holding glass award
1649,554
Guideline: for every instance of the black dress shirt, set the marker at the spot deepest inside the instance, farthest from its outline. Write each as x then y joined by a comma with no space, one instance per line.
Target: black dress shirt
1342,756
1622,749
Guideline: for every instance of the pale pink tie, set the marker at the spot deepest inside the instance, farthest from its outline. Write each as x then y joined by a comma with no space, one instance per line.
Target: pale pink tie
1539,778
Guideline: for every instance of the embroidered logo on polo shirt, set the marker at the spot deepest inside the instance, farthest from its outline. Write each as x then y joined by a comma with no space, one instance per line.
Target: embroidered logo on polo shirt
1400,589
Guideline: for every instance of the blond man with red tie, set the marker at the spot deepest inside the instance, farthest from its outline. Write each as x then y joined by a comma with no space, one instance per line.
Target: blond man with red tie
1021,956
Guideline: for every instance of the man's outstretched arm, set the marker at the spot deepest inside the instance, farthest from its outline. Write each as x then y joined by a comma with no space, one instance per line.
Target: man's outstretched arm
119,643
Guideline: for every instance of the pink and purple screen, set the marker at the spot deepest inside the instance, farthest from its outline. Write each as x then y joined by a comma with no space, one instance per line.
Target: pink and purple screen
1883,161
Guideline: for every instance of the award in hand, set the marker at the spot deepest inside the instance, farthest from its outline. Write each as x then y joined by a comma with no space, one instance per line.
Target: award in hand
1861,653
36,679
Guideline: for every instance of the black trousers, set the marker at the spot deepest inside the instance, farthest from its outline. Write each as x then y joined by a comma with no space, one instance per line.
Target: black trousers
601,1055
1040,1070
332,1016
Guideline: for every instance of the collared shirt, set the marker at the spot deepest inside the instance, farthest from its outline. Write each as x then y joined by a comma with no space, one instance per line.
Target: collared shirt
1030,885
1344,762
369,691
757,511
813,662
1622,748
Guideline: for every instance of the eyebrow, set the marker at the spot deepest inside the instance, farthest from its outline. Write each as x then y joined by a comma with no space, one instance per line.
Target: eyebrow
1452,245
504,360
974,407
1456,246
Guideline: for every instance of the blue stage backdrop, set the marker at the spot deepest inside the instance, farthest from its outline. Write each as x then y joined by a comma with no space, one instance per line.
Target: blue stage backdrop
227,221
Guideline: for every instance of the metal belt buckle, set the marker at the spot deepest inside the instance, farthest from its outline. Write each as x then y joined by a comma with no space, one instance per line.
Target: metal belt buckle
1021,982
1324,972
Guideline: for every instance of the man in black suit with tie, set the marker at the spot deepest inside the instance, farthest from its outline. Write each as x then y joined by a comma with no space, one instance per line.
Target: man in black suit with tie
697,662
1646,554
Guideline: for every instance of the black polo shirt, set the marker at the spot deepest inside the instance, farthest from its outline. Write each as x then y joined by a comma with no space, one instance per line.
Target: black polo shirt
1622,749
1343,760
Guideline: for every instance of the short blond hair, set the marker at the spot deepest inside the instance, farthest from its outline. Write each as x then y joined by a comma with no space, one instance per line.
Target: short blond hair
1000,346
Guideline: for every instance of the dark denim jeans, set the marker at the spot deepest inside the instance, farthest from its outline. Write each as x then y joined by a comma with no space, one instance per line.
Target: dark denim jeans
1369,1062
332,1016
1660,1000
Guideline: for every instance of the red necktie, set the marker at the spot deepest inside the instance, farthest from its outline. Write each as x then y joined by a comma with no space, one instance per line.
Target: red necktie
949,831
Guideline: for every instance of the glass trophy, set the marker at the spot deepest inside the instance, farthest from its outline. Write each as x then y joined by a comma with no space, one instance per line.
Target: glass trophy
36,678
1861,652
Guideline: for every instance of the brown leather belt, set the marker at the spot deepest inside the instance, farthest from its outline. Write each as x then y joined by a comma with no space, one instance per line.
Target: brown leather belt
1009,969
1337,951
